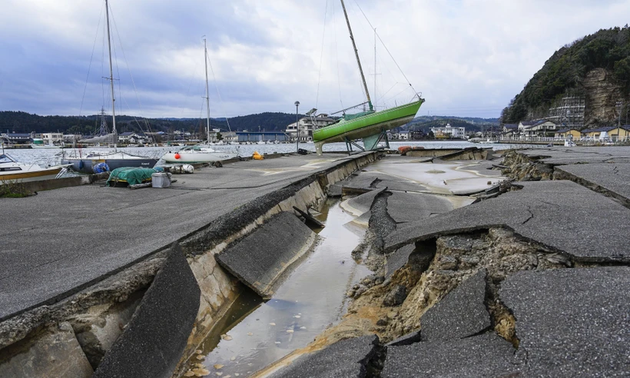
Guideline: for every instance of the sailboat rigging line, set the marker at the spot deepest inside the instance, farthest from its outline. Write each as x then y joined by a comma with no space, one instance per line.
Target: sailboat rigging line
385,46
205,55
332,7
321,57
352,107
356,53
111,71
216,86
133,82
87,78
382,98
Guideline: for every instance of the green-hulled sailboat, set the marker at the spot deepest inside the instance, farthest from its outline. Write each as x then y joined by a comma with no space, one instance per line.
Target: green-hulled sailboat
371,126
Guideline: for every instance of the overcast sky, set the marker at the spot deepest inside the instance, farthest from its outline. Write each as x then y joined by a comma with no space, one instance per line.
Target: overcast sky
466,57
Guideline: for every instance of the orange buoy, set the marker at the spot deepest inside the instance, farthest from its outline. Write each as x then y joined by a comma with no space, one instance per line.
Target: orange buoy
257,156
177,156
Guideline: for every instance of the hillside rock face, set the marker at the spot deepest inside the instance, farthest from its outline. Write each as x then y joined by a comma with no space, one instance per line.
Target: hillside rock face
602,95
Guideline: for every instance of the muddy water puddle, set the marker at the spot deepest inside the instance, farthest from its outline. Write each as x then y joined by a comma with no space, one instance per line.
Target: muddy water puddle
255,333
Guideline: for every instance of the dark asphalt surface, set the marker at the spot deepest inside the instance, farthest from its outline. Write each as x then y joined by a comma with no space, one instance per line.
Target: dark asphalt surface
562,215
486,355
346,358
64,239
610,177
572,322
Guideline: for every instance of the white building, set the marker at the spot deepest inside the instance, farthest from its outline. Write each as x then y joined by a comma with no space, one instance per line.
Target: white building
307,125
52,138
449,131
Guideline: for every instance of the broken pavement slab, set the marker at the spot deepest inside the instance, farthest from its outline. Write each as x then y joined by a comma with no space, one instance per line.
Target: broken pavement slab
362,203
407,207
486,355
461,313
610,178
346,358
572,322
260,259
370,180
561,215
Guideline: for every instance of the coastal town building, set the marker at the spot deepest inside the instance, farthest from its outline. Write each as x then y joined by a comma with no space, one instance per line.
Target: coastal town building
536,128
131,137
16,138
449,131
573,134
260,137
607,133
306,126
52,138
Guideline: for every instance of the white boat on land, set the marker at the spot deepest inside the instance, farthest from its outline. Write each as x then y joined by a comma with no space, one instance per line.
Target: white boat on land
95,162
200,153
12,170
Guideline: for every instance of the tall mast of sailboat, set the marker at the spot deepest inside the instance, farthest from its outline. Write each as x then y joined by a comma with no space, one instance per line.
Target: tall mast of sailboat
205,55
111,72
356,53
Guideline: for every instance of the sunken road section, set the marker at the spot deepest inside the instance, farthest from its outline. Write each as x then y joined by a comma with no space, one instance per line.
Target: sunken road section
534,281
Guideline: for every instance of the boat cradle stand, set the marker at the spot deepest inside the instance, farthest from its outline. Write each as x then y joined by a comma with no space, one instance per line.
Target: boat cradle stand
369,143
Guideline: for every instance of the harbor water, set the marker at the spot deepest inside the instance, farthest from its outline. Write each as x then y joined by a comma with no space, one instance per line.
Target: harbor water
47,157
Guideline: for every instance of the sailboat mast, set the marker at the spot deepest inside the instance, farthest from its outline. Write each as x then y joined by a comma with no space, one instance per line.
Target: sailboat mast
111,71
205,50
356,53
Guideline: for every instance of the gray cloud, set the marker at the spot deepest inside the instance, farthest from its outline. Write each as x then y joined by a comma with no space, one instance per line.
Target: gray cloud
467,57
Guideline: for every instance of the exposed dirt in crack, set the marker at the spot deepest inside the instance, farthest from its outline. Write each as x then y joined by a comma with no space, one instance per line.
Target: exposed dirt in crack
394,307
521,167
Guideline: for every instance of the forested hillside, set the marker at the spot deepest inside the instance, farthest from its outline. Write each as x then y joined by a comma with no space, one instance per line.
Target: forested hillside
598,60
21,122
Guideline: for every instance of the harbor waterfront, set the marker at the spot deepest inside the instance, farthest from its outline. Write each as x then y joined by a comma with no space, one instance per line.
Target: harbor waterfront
52,156
536,267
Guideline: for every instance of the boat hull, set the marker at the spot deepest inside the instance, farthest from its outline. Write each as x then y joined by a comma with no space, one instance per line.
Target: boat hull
86,165
44,174
367,125
196,158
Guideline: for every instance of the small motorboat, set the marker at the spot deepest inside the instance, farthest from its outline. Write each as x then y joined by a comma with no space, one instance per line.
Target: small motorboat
12,170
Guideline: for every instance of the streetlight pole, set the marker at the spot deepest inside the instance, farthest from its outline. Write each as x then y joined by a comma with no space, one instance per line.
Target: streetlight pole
297,128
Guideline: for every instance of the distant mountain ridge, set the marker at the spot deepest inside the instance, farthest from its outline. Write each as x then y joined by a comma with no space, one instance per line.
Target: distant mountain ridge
22,122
